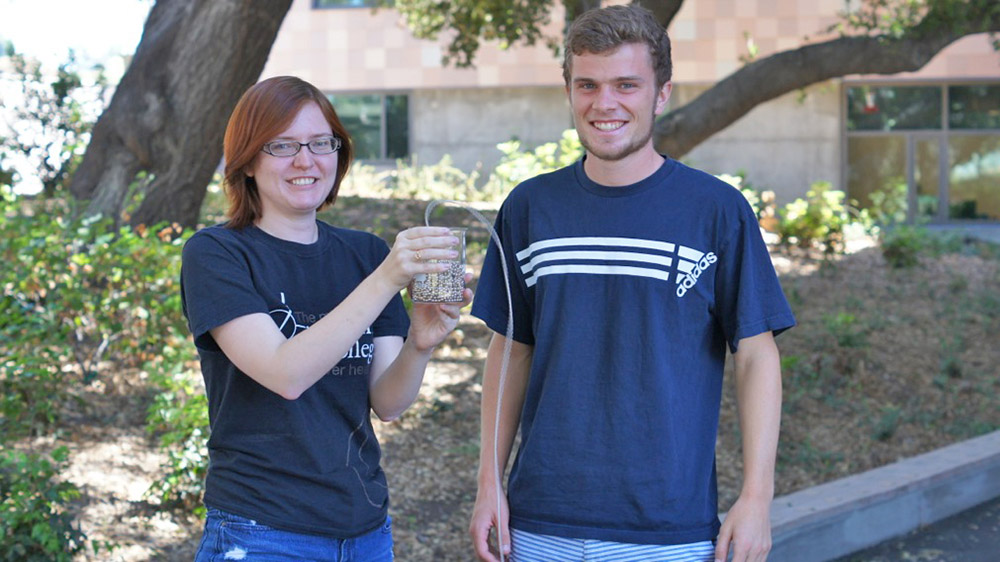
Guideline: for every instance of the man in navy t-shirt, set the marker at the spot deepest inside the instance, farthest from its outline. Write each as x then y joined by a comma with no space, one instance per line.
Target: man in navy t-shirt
630,276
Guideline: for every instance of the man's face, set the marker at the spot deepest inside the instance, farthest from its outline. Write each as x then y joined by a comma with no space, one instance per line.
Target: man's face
614,100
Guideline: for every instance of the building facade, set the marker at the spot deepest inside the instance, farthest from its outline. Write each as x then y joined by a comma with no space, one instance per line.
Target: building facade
931,137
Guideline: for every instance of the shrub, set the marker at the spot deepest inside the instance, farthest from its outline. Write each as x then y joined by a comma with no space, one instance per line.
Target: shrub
517,165
443,180
887,424
179,414
34,524
902,245
411,180
888,205
818,221
762,202
845,330
73,292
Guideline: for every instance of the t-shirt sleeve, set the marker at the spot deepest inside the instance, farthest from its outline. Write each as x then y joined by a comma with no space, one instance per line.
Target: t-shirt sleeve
749,298
393,321
490,303
216,287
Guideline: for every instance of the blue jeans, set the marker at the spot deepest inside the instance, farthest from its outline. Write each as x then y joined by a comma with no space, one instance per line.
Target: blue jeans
231,537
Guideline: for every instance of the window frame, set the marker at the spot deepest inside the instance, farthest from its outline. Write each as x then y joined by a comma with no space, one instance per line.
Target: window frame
383,157
911,137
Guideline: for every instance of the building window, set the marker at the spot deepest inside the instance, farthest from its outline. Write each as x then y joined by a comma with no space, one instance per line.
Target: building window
888,108
378,123
974,177
937,148
322,4
974,107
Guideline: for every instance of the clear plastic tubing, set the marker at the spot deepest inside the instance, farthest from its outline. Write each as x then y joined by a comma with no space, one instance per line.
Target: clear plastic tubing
508,343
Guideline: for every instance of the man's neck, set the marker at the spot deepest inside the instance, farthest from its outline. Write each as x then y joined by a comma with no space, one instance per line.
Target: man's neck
627,171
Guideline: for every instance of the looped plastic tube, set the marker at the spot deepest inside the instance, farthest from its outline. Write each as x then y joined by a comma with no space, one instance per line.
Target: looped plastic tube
507,345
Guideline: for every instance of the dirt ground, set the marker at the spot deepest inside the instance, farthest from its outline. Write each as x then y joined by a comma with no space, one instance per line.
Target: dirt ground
883,365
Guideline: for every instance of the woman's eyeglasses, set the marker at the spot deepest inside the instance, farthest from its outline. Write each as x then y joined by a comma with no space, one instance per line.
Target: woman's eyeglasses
284,148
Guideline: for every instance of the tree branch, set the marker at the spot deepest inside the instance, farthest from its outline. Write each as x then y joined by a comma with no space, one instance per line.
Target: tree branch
683,129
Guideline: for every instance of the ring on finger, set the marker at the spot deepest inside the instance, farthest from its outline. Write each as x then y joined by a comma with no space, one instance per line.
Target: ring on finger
416,256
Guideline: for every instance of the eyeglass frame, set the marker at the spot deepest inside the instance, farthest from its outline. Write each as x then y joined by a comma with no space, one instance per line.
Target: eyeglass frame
337,143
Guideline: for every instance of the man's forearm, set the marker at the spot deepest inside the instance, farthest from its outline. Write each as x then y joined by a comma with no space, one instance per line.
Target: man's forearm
496,442
758,395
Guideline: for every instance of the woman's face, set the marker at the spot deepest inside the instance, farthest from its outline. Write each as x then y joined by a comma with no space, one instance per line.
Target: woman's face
294,186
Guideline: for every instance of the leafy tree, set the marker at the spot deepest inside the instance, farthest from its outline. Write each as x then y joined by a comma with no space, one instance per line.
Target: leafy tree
50,124
169,112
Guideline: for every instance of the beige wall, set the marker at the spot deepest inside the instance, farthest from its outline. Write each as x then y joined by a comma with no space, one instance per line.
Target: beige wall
784,145
709,36
357,50
468,123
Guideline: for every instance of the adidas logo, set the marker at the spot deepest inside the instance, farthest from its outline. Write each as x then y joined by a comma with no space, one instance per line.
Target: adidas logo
615,256
687,280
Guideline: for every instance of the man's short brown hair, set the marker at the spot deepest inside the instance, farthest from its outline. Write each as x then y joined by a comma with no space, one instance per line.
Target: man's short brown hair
605,29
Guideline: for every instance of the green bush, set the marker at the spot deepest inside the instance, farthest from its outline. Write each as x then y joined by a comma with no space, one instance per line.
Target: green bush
888,422
32,392
517,165
411,180
761,201
818,221
75,292
179,415
903,245
888,205
34,524
845,329
443,180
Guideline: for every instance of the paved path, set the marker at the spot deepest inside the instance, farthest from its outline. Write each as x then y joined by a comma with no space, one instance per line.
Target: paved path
970,536
989,232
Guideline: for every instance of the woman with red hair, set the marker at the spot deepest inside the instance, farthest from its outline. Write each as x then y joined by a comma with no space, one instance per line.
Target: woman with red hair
302,333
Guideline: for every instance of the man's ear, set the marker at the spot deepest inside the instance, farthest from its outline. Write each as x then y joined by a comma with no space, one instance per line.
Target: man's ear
663,96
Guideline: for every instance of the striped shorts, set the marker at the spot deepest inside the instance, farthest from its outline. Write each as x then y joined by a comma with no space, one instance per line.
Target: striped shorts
531,547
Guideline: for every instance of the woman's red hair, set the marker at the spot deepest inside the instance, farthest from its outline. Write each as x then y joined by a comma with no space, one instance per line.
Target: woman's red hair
264,111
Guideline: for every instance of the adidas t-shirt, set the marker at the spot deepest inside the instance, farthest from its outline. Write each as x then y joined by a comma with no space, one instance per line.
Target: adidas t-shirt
309,465
630,296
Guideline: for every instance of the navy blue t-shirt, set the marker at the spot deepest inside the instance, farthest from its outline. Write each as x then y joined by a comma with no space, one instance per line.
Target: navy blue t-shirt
309,465
629,296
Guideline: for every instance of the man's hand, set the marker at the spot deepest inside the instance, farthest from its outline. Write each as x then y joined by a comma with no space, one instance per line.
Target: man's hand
484,519
747,529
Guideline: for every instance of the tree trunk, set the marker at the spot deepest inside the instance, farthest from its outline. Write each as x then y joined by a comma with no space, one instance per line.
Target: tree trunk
169,113
664,10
